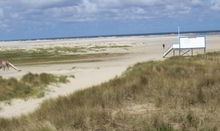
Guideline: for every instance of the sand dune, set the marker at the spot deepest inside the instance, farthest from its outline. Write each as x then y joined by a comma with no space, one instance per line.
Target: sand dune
88,74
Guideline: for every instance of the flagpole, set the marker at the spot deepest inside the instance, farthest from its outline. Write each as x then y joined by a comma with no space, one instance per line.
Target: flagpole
179,39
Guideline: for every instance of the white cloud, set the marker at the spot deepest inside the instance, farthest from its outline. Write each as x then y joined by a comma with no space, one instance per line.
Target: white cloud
139,10
175,10
126,3
197,2
1,13
215,5
40,3
88,7
143,2
88,10
4,26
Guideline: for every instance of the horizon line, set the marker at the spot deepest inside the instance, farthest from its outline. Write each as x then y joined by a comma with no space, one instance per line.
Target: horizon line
115,35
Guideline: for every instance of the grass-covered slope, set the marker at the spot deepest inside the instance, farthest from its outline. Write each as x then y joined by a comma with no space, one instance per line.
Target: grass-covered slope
180,93
28,86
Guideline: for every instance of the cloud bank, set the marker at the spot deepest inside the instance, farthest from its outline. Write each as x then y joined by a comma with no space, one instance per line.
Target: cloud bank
48,11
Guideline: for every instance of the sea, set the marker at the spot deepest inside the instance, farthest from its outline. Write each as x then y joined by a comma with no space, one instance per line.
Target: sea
186,33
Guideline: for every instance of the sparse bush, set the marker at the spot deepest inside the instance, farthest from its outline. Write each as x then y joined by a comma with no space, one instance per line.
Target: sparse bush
29,85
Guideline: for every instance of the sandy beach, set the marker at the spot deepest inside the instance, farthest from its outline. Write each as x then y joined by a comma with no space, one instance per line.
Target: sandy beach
87,74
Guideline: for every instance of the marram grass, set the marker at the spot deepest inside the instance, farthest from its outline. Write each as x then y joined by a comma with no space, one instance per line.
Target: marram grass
180,93
30,85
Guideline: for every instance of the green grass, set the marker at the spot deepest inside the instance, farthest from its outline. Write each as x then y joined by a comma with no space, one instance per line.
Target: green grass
30,85
180,93
114,46
50,55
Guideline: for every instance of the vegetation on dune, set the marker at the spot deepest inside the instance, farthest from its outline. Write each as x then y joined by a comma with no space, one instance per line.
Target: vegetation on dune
41,55
180,93
113,46
28,86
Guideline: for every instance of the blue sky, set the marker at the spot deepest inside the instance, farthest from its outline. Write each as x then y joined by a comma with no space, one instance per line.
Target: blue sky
28,19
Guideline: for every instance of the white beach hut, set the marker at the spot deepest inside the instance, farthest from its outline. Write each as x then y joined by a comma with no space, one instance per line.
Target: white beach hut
187,44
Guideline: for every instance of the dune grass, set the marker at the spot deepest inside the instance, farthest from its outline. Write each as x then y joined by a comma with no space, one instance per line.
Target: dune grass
50,55
53,59
113,46
180,93
30,85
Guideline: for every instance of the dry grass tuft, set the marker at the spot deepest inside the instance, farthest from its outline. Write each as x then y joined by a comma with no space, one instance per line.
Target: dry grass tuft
29,85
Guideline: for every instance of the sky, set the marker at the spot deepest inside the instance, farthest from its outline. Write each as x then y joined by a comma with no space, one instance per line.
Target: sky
30,19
